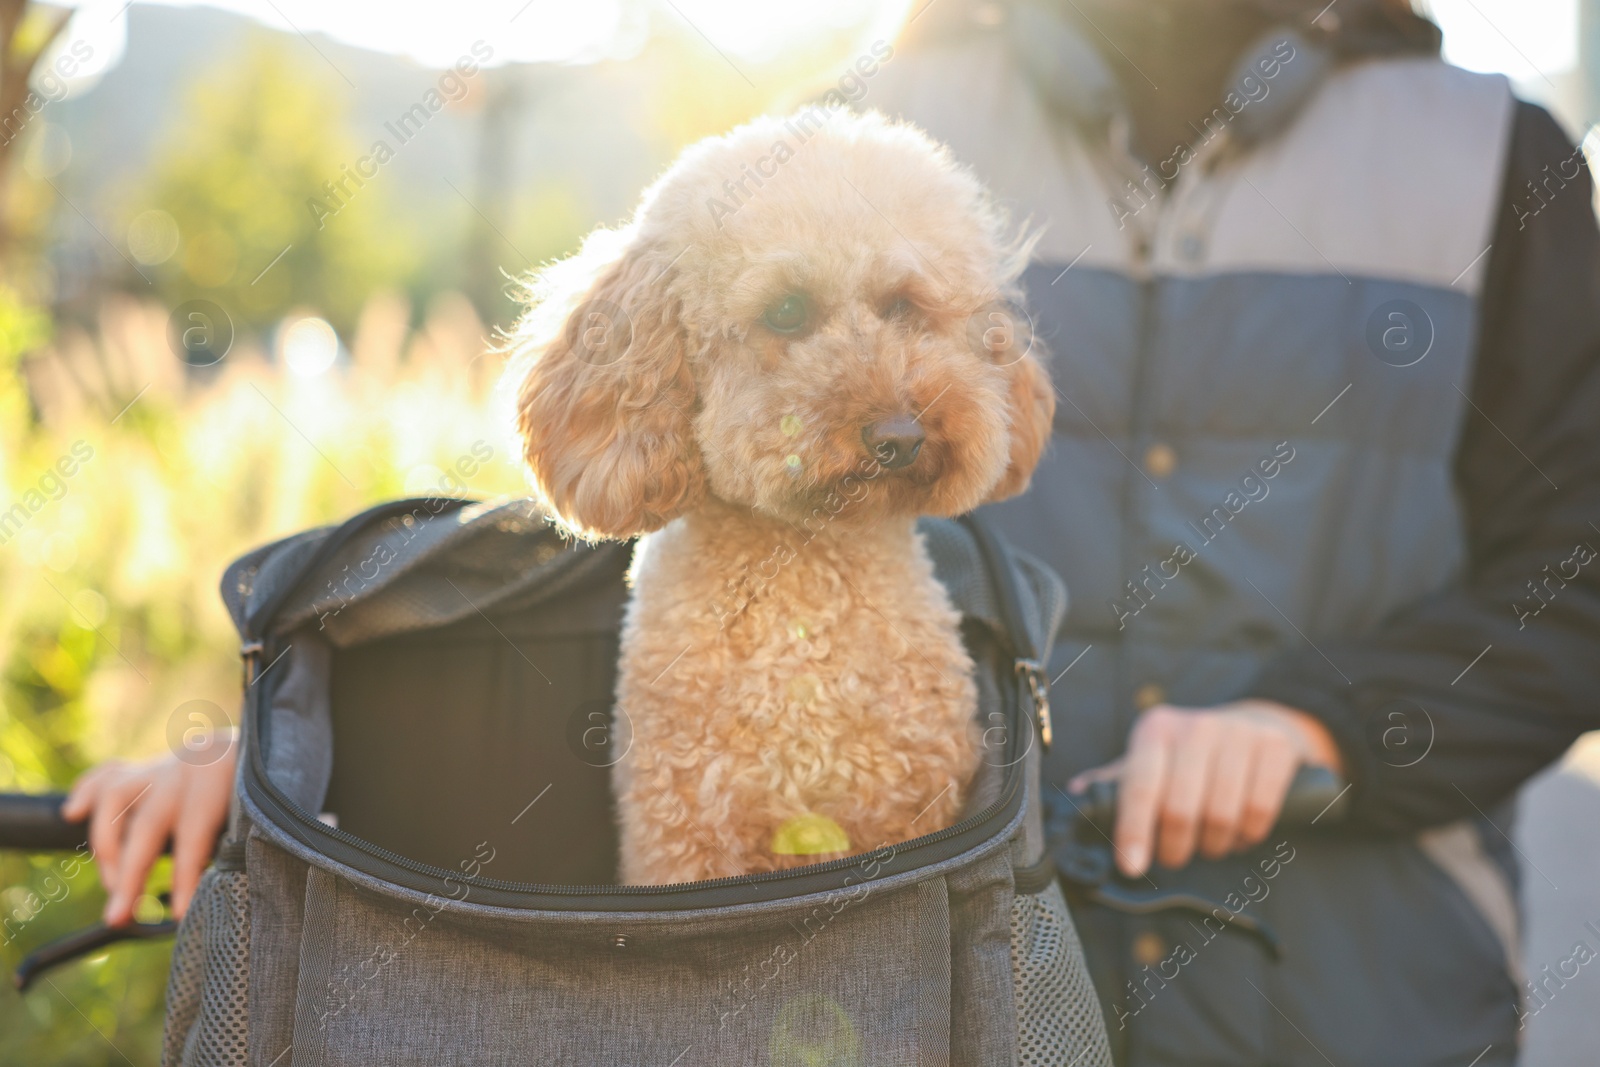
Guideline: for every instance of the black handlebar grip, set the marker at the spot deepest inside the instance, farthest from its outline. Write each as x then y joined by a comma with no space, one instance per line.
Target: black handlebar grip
1316,795
33,823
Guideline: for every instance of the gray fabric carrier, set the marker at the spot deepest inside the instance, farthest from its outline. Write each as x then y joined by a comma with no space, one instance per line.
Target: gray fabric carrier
307,945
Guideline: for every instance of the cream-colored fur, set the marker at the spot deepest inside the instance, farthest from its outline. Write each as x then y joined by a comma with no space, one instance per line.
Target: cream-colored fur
793,673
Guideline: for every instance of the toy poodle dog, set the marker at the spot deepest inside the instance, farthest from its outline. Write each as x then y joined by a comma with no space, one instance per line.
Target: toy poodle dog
798,346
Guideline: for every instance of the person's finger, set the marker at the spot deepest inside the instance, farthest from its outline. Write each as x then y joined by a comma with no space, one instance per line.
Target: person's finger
1275,764
1106,772
1178,819
191,851
151,823
81,797
202,812
1230,777
108,823
1144,780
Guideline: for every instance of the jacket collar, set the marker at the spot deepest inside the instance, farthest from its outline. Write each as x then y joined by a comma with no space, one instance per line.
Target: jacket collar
1073,79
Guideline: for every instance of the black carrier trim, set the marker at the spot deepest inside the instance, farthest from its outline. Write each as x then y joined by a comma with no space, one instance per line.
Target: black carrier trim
377,862
1033,880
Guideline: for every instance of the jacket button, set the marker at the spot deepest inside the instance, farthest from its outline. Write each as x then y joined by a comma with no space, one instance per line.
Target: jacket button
1148,695
1160,460
619,941
1149,949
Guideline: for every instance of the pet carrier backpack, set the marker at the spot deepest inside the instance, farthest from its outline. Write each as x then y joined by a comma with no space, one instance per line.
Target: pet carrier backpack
419,866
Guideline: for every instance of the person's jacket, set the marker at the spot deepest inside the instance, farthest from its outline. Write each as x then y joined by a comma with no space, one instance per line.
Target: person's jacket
1326,434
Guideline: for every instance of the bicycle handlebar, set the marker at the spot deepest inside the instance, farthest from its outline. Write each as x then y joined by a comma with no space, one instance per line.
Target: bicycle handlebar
1315,793
33,823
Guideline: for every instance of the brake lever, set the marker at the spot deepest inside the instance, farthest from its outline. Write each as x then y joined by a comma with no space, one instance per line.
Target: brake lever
33,823
84,942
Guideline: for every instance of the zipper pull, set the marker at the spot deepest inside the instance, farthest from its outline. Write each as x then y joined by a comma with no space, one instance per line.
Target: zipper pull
1032,674
250,655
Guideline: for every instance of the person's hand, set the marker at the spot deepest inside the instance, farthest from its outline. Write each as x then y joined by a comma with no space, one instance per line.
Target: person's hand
133,808
1207,778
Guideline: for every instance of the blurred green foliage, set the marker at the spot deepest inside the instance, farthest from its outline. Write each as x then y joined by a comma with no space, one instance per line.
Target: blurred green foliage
108,1010
259,137
23,328
109,613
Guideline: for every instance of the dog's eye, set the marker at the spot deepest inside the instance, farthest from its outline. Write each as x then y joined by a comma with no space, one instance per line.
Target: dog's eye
897,308
788,315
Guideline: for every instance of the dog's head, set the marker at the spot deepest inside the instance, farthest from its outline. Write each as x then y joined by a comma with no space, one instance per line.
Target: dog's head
801,310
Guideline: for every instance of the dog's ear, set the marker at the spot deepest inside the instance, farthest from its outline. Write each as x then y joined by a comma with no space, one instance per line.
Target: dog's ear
605,397
1033,408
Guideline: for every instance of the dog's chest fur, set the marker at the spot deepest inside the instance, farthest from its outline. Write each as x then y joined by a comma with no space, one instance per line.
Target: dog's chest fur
787,696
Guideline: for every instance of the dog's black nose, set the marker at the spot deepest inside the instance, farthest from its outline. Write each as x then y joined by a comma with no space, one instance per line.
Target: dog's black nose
895,442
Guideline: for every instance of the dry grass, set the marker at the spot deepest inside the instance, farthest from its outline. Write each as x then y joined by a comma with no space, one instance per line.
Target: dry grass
109,615
202,466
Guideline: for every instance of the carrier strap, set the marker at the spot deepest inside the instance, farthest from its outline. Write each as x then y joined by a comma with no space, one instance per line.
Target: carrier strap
934,1005
1021,643
316,1000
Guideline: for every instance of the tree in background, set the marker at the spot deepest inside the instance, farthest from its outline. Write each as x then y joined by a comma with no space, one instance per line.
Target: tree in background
26,32
257,140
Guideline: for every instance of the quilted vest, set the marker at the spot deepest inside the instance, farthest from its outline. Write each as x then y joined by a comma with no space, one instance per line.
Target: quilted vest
1263,348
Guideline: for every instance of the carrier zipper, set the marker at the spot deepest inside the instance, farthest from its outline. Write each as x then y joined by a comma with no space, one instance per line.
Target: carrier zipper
354,852
358,854
352,845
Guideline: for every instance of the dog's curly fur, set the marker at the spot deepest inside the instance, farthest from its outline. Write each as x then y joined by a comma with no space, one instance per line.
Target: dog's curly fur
788,659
